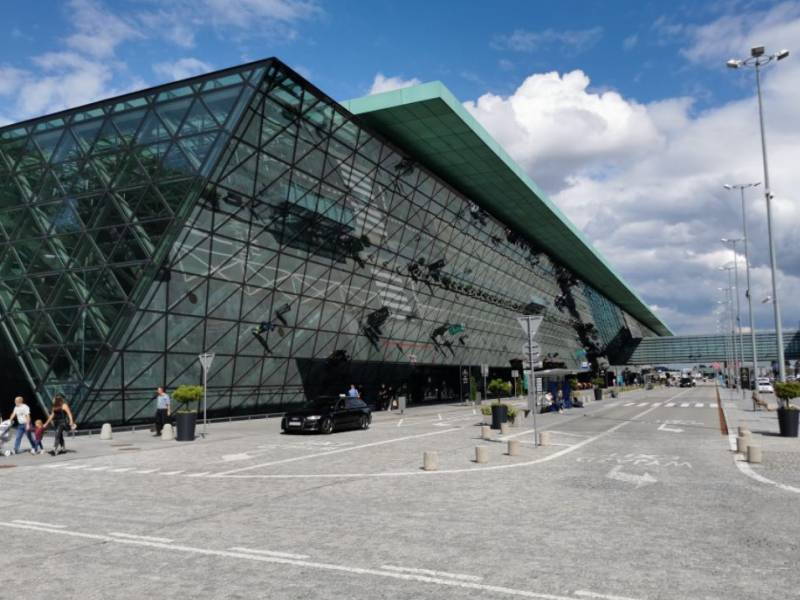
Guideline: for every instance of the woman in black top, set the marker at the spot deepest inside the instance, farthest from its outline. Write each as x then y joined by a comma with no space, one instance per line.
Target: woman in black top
61,418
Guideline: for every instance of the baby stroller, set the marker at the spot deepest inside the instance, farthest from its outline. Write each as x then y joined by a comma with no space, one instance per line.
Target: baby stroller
5,435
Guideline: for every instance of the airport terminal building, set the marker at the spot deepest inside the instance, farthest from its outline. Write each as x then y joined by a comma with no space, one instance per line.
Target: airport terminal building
307,243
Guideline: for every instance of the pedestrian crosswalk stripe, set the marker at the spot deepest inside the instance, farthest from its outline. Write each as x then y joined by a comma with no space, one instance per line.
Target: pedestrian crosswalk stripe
643,404
656,403
699,405
629,404
685,405
669,404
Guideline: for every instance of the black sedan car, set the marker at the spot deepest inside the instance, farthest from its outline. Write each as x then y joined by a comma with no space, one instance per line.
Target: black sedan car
687,382
327,414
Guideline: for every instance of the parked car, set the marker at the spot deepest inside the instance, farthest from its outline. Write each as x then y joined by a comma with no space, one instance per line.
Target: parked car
765,386
327,414
687,382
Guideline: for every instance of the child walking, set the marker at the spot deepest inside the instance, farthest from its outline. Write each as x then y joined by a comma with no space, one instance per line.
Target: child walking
38,433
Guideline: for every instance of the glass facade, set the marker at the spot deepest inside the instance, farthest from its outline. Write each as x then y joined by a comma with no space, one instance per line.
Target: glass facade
245,213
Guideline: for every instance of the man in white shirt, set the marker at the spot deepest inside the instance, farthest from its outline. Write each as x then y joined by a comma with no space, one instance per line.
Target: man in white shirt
22,413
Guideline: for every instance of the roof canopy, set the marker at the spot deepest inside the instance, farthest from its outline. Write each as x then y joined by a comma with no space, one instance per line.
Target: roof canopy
429,123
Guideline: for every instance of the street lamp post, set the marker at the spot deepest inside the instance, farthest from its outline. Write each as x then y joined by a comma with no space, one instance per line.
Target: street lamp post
757,59
730,291
733,242
748,291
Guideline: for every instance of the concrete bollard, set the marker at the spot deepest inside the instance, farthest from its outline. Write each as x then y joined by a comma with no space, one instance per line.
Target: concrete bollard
743,430
167,433
754,454
486,432
742,442
513,447
105,431
430,461
544,438
504,428
481,454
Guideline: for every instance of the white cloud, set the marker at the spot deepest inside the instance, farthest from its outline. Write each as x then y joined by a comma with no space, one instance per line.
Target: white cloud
630,42
181,68
644,181
98,31
571,41
381,83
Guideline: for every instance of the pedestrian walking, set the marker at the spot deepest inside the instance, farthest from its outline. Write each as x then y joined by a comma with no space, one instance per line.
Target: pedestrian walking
38,433
61,419
22,414
162,409
353,392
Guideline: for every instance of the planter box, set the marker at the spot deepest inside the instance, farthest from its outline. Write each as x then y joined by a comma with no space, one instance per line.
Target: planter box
787,422
186,423
499,415
598,393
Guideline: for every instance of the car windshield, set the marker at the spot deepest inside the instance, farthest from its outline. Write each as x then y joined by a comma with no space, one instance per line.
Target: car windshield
321,403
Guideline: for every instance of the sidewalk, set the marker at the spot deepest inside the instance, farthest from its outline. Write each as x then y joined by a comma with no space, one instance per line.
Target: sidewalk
780,455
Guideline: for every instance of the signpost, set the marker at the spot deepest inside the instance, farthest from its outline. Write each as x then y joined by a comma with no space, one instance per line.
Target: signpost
205,361
485,373
514,375
530,325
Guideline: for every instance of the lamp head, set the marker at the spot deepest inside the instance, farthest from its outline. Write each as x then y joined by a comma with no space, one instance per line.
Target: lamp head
734,63
781,54
757,51
727,186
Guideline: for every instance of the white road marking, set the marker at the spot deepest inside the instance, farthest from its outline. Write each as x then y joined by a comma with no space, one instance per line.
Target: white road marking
338,451
146,538
699,405
587,594
643,404
669,404
656,403
171,473
745,468
440,416
203,474
673,429
145,471
629,404
270,553
76,467
432,573
103,468
400,422
420,472
612,405
122,470
638,480
39,524
442,581
685,405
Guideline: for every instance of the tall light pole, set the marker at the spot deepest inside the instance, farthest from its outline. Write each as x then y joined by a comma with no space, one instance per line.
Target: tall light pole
757,59
748,292
733,242
729,299
723,304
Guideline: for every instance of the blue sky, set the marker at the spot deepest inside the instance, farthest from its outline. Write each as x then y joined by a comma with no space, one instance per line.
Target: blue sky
622,111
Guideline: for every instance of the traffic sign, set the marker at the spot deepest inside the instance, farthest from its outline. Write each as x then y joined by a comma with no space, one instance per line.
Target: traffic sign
484,370
532,348
530,324
514,373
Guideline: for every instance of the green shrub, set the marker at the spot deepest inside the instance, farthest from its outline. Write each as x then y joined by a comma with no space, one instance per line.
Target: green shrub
787,391
473,389
188,396
573,383
486,410
498,387
599,382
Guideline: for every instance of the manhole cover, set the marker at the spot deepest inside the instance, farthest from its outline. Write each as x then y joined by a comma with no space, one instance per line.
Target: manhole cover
7,466
123,449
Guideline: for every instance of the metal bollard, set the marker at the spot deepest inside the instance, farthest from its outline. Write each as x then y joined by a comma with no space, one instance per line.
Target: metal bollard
742,442
105,431
481,454
544,438
430,461
513,447
504,428
754,454
486,432
167,433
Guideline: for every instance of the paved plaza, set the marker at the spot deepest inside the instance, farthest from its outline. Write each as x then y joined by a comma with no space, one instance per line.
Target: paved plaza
638,497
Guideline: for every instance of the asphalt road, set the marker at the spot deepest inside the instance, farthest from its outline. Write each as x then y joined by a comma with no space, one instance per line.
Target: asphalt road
637,498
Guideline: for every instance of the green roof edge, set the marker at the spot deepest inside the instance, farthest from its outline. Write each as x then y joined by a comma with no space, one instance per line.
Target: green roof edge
436,90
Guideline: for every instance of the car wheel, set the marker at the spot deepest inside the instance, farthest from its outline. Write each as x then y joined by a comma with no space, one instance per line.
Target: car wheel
326,426
364,422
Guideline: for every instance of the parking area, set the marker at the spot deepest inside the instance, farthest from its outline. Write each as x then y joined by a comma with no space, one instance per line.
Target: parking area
636,497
